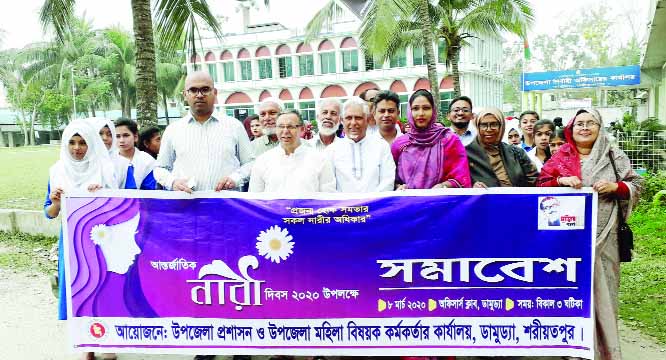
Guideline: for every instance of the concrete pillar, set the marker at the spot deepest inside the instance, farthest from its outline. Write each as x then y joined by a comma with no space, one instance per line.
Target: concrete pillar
532,105
539,103
525,102
10,136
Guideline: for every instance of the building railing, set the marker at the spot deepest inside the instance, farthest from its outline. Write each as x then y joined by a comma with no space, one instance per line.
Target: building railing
646,149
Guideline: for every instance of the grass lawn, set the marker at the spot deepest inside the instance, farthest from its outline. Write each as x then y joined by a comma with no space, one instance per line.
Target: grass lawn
24,173
23,252
643,281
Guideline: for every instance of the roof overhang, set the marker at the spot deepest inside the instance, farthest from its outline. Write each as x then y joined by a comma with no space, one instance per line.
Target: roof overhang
654,56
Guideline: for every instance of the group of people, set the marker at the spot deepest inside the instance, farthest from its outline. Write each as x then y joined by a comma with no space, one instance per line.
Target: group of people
208,151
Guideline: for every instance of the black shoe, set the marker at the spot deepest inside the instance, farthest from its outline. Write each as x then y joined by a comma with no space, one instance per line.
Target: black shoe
204,357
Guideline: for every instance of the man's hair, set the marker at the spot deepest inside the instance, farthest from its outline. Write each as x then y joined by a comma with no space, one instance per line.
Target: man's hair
270,100
146,135
529,112
548,198
252,117
461,98
325,101
557,121
295,112
387,95
131,124
364,93
355,100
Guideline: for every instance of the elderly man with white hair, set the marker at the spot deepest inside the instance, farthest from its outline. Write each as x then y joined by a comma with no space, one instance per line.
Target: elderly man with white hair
361,163
328,121
268,111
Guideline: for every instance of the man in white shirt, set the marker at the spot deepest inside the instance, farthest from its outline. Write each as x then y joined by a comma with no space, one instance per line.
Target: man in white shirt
387,111
268,111
204,150
292,167
328,121
461,115
361,163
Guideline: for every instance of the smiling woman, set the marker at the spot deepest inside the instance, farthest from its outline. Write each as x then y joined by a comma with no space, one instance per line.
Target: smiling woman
589,159
493,163
429,155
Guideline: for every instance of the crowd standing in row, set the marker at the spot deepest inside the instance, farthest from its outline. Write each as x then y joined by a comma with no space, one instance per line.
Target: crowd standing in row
208,151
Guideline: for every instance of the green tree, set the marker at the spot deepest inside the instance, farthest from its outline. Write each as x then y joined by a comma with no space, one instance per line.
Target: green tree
119,64
177,24
391,25
589,41
170,77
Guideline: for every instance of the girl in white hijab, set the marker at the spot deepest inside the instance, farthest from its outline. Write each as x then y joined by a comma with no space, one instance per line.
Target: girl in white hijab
107,132
84,165
84,162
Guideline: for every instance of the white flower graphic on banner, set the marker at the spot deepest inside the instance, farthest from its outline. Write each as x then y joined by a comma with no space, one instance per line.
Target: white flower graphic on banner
99,234
275,244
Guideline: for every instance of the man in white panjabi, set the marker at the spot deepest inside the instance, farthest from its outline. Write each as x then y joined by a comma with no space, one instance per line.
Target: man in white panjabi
328,121
361,163
293,167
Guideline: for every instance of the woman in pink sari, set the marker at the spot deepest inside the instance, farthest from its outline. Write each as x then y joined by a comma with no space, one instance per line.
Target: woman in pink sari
585,160
429,156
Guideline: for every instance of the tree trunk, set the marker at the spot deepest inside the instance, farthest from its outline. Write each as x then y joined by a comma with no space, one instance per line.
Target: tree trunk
32,125
166,109
92,109
24,127
125,101
455,58
428,39
146,78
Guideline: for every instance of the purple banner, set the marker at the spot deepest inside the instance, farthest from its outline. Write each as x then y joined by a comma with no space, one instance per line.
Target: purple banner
412,273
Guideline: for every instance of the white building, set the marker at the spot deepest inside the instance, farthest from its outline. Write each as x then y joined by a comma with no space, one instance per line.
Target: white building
272,60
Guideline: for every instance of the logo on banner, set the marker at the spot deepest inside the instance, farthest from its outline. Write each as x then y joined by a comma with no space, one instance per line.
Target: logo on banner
561,212
97,330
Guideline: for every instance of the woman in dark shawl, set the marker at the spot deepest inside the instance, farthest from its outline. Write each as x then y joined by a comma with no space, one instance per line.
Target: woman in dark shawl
493,163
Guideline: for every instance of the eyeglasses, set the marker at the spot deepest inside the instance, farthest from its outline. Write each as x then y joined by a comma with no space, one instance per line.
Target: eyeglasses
462,110
288,127
491,126
585,124
204,91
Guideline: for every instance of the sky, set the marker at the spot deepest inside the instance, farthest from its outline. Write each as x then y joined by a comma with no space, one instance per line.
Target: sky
21,23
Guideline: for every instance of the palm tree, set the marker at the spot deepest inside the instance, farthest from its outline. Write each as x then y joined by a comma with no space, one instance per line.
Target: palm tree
170,76
391,25
177,24
120,61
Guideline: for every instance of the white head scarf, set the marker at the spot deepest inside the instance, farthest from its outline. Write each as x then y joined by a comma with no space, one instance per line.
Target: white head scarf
513,124
95,167
120,163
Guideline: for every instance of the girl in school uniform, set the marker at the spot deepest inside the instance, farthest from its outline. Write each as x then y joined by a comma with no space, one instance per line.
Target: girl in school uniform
141,163
84,165
107,131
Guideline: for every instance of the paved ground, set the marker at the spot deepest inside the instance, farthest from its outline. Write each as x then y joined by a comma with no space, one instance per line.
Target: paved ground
29,329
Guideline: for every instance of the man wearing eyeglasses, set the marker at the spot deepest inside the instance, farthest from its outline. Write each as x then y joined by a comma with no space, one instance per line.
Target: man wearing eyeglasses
292,168
204,150
460,115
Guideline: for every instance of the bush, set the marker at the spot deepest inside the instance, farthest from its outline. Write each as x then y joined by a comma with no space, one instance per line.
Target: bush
654,182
